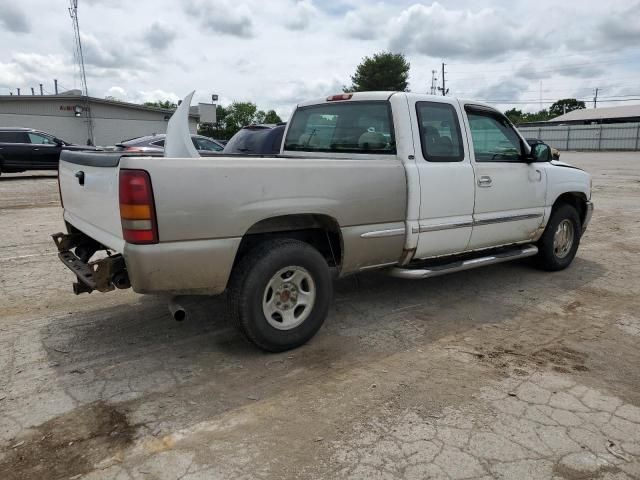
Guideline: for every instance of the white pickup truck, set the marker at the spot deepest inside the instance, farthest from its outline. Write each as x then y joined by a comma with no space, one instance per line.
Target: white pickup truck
415,184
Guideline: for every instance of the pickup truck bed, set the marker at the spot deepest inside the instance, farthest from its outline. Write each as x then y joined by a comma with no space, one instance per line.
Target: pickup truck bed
205,206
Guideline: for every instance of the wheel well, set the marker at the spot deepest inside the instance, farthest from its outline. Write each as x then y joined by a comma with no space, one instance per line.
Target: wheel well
320,231
576,199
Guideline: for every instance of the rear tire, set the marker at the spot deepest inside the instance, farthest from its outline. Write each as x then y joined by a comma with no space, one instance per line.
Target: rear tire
559,243
279,294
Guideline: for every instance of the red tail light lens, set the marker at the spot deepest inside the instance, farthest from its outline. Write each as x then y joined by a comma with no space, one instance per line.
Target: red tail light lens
137,209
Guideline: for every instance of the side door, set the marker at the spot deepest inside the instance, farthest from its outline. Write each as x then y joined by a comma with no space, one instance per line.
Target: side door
510,192
446,178
14,150
44,152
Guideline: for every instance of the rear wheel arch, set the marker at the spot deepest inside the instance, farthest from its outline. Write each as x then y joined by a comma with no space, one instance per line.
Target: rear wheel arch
318,230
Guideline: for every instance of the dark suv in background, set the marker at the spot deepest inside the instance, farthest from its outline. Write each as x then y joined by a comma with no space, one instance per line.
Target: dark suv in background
28,149
257,139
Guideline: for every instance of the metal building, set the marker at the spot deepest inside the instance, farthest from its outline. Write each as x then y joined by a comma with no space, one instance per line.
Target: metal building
65,116
604,128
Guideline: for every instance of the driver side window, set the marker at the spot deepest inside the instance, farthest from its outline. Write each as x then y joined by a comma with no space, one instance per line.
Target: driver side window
40,139
494,140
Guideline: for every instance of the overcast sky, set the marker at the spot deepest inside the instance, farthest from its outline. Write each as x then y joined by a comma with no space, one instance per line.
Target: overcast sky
279,52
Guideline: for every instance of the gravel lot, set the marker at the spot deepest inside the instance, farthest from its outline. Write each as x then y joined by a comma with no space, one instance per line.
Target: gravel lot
503,372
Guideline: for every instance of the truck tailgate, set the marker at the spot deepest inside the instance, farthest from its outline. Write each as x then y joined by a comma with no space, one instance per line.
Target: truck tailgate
89,190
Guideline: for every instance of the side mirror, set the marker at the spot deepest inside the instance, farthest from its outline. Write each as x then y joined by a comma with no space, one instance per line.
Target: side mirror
540,152
58,142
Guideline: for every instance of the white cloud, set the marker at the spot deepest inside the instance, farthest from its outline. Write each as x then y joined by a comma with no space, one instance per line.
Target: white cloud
300,15
222,16
367,23
439,32
160,36
14,19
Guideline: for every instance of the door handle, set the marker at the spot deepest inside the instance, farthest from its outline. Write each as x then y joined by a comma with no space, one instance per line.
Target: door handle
484,181
80,176
36,149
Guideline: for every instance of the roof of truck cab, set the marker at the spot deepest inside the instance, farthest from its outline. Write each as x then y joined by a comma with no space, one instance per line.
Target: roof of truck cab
385,95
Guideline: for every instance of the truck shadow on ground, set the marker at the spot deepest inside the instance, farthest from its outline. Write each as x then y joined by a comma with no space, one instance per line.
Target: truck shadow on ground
128,352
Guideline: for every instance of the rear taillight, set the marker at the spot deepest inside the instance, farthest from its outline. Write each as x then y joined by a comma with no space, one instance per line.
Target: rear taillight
137,212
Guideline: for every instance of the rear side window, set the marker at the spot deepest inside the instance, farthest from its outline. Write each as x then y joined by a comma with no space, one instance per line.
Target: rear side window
159,143
440,135
250,140
345,127
14,137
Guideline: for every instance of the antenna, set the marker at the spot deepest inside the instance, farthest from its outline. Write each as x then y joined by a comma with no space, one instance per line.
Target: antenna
73,12
434,81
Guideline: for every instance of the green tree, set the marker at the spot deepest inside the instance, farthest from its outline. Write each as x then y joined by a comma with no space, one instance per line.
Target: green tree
565,105
168,104
383,71
240,114
514,115
272,117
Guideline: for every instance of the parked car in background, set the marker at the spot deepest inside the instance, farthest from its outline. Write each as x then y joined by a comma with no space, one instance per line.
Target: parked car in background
554,152
28,149
155,144
263,139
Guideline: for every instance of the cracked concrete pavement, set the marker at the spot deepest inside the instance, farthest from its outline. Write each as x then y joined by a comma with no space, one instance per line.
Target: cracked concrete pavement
504,372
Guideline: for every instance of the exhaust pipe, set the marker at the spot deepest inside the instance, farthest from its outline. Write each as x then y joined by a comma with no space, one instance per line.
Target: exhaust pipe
177,311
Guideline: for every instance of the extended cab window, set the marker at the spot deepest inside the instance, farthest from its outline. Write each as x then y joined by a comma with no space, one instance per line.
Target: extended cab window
345,127
440,135
494,139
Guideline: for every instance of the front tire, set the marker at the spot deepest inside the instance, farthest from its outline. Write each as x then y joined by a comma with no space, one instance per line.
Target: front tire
559,243
280,294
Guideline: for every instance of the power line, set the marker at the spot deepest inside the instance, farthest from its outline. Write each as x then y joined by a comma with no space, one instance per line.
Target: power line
549,102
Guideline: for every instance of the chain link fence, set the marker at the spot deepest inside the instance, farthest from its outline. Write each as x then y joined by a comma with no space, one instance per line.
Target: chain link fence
616,136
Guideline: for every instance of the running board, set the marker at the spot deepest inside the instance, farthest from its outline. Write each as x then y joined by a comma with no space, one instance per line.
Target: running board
458,266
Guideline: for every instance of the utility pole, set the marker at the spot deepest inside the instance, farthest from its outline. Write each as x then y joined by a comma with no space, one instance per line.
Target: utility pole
73,12
55,85
434,79
595,99
443,89
18,91
33,92
41,92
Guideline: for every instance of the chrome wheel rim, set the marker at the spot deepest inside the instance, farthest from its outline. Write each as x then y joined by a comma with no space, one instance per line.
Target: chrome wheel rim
563,239
288,298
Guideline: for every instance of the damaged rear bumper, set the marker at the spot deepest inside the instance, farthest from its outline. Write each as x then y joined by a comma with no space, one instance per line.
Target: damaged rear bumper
103,275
